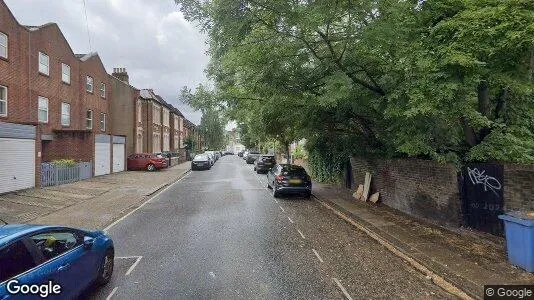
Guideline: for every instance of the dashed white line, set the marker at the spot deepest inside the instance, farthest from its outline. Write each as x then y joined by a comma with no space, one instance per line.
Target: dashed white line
281,208
112,293
290,220
342,289
302,235
134,265
318,256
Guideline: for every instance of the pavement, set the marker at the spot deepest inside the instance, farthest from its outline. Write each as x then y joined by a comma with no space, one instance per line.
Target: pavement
92,203
463,258
220,234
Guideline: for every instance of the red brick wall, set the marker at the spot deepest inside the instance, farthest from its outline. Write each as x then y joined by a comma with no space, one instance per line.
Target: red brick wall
77,146
14,70
93,67
50,41
420,188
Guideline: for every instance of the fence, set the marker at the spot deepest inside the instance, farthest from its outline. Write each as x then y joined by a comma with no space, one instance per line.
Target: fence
52,174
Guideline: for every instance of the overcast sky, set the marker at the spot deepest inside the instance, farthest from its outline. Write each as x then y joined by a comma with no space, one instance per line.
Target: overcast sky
150,38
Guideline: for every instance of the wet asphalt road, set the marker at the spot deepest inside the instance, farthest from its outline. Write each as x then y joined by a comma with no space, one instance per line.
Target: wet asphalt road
219,234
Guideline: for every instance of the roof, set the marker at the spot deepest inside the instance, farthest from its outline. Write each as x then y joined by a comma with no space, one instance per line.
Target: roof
148,94
85,57
37,27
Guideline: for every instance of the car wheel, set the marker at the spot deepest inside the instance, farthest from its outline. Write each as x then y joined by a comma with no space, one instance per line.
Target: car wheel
307,195
254,168
269,185
151,168
106,268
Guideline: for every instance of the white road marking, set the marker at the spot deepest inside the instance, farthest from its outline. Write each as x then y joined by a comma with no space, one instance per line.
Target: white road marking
342,289
112,293
302,235
275,200
126,257
318,256
144,203
134,265
281,208
290,220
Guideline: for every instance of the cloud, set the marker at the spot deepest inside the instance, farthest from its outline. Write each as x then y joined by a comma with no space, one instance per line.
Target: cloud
151,39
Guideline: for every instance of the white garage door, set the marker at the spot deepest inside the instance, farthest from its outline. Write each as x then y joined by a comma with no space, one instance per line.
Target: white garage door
17,161
118,158
102,158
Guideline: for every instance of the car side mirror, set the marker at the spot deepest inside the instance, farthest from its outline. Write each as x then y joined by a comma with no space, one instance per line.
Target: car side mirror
88,242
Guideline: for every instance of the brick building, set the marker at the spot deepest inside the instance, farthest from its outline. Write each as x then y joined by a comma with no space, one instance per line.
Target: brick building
123,109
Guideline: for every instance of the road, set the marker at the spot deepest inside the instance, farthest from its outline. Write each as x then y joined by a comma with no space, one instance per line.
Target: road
220,234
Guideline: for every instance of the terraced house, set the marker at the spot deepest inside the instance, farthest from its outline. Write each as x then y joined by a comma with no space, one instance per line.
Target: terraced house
55,104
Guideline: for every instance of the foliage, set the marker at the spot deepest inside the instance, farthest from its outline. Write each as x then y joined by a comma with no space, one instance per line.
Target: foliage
300,153
64,162
190,143
212,123
448,80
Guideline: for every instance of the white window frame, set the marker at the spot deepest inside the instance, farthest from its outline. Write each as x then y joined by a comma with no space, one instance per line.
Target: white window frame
103,90
139,110
102,122
43,65
4,101
89,83
42,108
89,119
4,46
64,76
65,115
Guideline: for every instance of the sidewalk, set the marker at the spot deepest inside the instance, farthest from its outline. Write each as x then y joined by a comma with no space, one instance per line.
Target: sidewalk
466,259
92,203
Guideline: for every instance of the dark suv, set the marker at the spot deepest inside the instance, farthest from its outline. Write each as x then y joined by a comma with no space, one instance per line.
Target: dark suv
264,163
290,179
252,156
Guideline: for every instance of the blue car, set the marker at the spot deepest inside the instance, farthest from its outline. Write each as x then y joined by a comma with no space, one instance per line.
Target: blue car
50,261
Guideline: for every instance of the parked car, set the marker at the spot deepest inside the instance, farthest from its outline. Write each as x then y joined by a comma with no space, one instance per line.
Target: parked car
211,157
264,163
240,153
245,154
214,156
201,162
146,161
229,152
72,258
290,179
252,156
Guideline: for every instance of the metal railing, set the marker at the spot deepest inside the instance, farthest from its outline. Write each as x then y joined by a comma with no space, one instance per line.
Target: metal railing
52,174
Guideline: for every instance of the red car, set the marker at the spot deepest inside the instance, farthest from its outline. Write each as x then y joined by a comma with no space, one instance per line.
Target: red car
146,161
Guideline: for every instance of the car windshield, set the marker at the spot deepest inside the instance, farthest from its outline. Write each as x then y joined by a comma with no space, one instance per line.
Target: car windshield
201,157
293,170
267,159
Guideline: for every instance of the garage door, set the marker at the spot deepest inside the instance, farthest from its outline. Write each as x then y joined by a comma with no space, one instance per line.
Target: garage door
17,157
102,155
118,157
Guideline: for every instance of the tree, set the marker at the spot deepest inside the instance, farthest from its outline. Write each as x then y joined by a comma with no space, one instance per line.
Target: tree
449,80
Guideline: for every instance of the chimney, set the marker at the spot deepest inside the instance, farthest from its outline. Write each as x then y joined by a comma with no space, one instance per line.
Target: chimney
121,74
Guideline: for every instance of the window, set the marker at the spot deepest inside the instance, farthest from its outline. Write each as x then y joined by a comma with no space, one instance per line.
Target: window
3,101
43,110
15,259
139,111
89,84
53,244
103,90
65,73
89,118
3,45
156,114
65,114
102,121
44,63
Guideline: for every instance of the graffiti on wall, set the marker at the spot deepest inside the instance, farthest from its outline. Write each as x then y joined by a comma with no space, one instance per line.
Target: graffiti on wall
488,182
